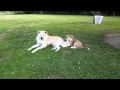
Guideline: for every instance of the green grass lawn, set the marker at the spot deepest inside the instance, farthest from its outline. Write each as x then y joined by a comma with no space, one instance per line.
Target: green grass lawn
18,32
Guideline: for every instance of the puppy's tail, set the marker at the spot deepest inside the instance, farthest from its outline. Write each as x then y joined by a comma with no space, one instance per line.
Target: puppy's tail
86,47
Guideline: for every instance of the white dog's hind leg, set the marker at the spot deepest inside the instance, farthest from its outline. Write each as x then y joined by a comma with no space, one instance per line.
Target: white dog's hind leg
34,46
38,48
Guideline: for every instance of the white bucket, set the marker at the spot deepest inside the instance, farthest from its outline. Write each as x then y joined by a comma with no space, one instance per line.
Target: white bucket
98,19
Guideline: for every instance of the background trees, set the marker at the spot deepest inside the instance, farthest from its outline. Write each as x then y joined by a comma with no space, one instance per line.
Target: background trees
108,13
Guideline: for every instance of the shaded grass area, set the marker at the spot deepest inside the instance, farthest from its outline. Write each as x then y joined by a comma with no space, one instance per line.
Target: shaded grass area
18,32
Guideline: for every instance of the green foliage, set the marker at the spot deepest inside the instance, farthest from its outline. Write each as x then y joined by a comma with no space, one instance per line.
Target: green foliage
104,13
11,12
18,12
7,12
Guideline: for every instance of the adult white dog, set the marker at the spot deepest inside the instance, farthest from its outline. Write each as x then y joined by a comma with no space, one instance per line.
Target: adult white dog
43,40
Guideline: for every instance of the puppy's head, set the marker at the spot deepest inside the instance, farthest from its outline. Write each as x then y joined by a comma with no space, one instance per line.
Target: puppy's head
42,34
69,38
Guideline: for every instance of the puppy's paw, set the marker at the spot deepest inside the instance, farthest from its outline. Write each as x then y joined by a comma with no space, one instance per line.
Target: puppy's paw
73,47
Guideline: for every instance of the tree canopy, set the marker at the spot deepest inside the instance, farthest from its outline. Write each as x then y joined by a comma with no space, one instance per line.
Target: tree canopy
110,13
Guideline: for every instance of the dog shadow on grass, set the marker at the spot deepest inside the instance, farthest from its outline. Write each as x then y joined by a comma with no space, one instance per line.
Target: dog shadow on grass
77,23
86,22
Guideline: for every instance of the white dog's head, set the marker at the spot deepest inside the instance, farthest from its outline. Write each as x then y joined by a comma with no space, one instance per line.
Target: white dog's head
42,35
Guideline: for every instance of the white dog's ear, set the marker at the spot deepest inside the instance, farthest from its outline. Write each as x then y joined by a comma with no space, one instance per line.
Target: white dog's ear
46,32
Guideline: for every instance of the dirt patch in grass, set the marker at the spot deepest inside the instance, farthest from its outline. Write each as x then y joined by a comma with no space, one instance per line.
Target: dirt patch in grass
2,35
67,52
86,22
113,39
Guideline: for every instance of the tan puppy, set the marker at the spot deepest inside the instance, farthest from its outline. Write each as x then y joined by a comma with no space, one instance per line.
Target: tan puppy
73,43
43,40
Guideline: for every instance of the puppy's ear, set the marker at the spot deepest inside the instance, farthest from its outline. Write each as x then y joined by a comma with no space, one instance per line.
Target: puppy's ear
46,32
72,36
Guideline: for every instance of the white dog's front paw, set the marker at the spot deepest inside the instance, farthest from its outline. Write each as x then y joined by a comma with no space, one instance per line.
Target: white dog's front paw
53,48
29,49
33,51
56,50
